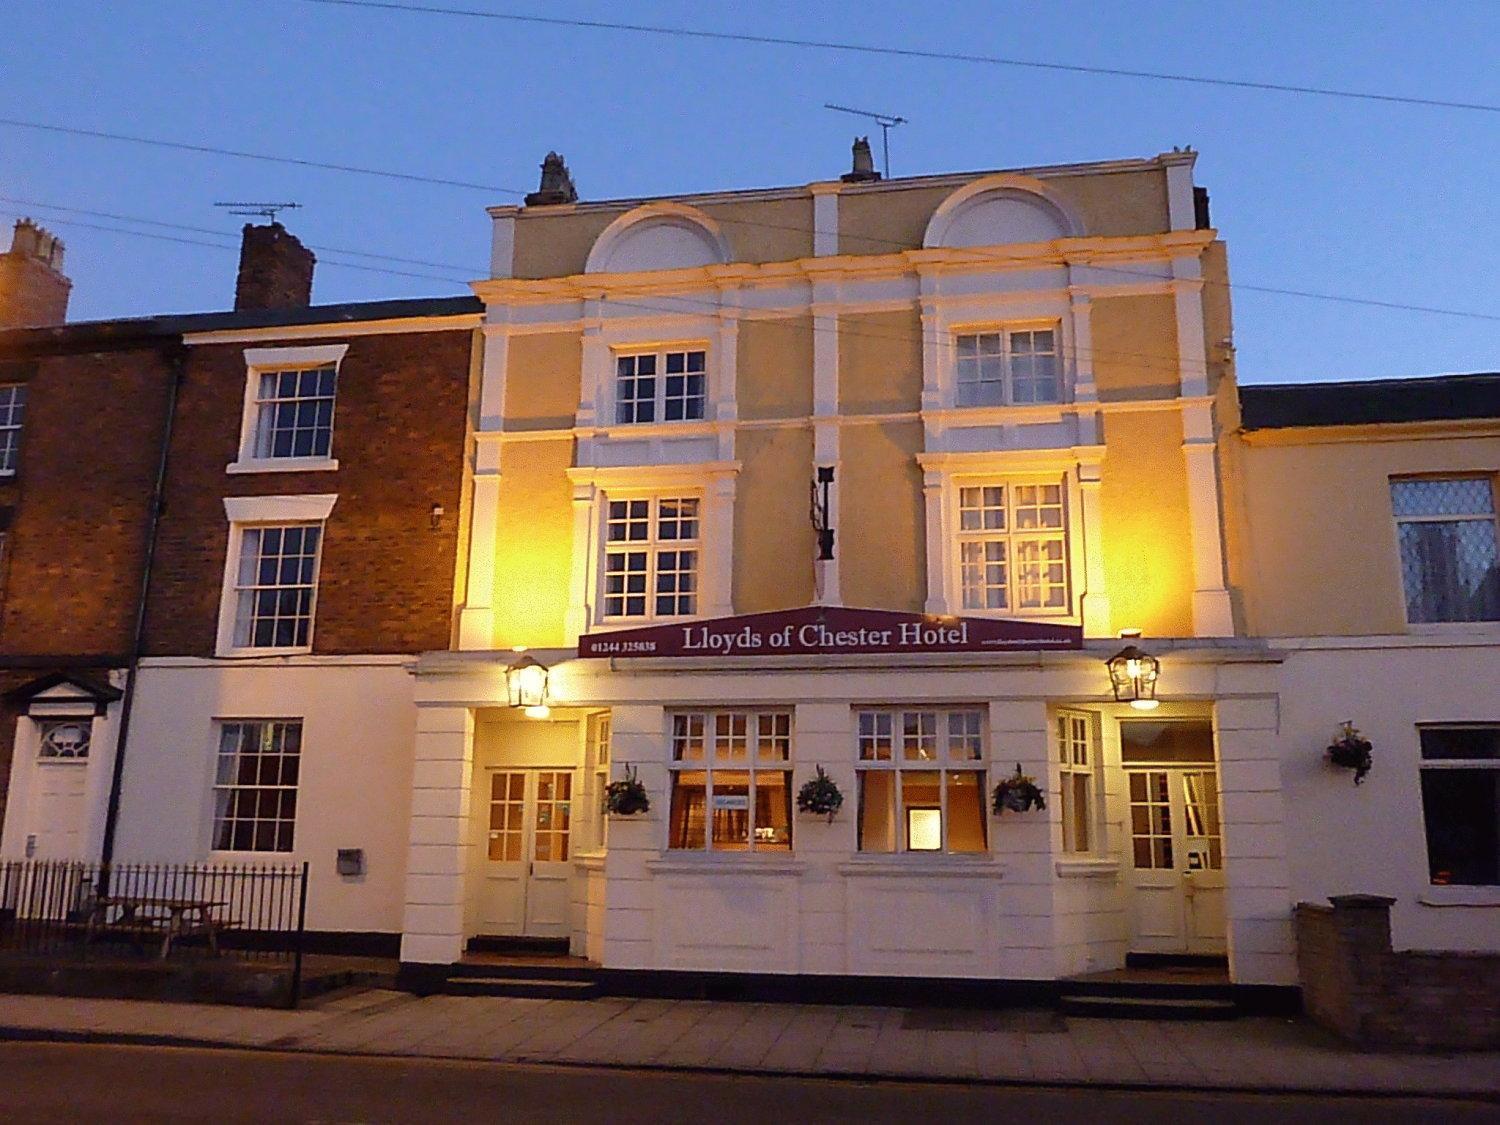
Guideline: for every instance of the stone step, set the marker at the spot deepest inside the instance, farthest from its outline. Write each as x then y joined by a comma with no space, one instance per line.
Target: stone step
535,988
1149,1007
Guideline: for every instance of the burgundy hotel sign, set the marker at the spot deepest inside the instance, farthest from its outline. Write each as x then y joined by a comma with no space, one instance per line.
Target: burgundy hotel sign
830,631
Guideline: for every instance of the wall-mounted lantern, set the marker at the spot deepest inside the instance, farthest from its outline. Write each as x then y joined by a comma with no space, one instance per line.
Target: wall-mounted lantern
1132,674
526,683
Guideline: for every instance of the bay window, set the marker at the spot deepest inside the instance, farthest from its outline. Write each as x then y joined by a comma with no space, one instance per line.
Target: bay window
921,780
731,781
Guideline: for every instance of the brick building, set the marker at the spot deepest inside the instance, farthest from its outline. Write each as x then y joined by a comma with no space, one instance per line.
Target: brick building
321,445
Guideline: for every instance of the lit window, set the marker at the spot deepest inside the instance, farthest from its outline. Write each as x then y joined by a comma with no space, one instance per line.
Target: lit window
255,786
1461,804
1075,758
651,552
921,780
1450,564
1013,547
668,386
12,413
1008,367
731,780
598,755
276,586
66,740
294,413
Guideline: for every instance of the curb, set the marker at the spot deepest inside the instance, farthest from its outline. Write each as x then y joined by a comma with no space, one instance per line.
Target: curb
282,1047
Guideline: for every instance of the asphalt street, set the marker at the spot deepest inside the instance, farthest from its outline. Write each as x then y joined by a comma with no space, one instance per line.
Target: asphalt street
64,1082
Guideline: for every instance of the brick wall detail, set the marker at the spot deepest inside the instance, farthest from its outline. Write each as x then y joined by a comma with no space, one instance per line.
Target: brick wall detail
386,578
1355,985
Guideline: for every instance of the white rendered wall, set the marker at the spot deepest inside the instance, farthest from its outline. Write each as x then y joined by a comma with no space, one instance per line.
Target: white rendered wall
1371,839
355,783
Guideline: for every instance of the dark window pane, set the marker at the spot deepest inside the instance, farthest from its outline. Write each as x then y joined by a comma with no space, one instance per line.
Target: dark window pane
1446,743
1462,809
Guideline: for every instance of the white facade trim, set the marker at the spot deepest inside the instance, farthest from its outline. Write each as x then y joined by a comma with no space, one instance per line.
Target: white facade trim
387,327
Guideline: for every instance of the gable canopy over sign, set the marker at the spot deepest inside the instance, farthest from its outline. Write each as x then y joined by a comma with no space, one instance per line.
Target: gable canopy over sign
63,693
831,631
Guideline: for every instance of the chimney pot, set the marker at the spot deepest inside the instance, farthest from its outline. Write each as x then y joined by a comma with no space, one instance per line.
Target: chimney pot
863,171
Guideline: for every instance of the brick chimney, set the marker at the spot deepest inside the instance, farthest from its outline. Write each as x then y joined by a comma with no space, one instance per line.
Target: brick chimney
276,270
33,290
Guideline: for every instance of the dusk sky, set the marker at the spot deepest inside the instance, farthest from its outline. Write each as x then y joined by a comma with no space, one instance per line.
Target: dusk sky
1387,202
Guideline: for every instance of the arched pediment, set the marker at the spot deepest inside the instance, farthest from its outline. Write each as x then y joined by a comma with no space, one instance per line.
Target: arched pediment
658,236
1000,210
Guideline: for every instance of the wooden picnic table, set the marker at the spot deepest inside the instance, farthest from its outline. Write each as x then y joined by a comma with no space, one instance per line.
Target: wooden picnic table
172,918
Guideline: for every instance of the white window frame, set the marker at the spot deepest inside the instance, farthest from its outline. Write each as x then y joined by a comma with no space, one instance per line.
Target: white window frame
1492,516
1078,753
652,547
599,734
1005,333
44,726
14,414
244,512
1011,536
216,787
749,763
660,398
942,763
259,361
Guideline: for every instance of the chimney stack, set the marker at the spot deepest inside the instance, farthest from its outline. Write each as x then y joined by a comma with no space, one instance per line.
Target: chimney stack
33,289
276,270
863,171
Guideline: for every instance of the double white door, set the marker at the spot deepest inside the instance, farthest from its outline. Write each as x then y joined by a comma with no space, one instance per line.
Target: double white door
1175,860
528,846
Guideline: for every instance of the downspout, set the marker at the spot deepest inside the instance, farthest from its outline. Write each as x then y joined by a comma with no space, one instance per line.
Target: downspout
178,357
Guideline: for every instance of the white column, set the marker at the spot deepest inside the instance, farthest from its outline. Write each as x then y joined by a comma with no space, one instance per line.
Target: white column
825,219
1096,611
938,547
437,860
718,535
476,618
580,614
503,241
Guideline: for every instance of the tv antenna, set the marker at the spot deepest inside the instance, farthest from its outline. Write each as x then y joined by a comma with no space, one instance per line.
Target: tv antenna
886,121
258,210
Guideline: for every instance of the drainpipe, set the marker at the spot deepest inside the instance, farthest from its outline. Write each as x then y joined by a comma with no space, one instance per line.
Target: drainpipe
178,359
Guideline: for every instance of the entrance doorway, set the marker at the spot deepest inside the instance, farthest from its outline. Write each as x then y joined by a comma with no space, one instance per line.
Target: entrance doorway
1175,858
527,853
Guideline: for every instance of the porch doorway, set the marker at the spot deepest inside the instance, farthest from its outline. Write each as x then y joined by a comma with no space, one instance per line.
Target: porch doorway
528,846
1175,857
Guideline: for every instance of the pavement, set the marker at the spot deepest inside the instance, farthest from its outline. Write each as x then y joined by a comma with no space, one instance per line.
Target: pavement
1011,1046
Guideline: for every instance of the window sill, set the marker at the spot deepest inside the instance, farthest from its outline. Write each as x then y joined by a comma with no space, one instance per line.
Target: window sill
1452,628
725,863
1460,896
250,653
1088,867
925,867
283,465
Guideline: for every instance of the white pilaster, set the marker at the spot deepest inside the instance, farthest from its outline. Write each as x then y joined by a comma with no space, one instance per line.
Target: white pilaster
476,618
503,242
1096,609
580,615
1180,212
1192,352
825,425
718,560
825,219
937,543
437,862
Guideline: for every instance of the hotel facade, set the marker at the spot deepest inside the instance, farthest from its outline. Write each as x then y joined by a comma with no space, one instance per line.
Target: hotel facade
1010,398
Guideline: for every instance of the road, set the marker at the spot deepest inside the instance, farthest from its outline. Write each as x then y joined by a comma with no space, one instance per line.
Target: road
66,1082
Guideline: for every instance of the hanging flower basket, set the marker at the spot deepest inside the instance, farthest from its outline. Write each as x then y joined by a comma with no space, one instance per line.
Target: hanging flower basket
627,796
1017,793
820,795
1352,751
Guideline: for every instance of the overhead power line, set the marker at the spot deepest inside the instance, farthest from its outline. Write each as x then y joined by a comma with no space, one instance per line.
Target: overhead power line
184,146
913,53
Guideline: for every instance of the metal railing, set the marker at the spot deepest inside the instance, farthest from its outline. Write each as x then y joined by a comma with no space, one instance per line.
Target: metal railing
66,910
